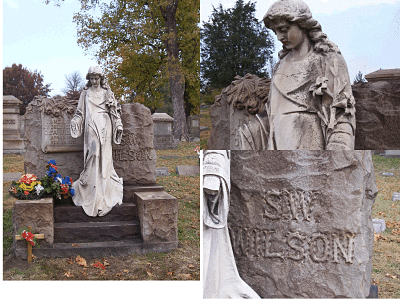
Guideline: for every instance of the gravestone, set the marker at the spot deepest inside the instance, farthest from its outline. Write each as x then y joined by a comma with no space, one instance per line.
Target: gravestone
193,124
133,226
12,140
392,153
396,196
163,124
47,132
378,111
300,222
188,170
379,225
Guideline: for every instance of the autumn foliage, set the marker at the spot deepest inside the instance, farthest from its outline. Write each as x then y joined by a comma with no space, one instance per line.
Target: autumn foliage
24,84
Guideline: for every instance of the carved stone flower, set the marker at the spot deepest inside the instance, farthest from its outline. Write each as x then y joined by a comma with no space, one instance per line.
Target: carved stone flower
347,104
320,86
56,112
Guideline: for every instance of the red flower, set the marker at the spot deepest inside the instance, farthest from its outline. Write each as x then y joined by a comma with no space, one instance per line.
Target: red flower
29,236
24,234
26,192
32,243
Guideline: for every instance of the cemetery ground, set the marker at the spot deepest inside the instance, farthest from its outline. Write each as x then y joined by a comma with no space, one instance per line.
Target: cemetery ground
182,263
205,121
386,254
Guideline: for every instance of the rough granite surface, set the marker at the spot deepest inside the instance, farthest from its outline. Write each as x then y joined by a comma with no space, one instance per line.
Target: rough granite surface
37,214
135,158
300,222
158,216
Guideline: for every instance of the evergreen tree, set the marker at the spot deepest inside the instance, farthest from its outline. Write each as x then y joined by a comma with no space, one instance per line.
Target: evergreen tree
234,42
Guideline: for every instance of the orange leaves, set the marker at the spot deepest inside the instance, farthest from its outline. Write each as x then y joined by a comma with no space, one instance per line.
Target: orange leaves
68,274
378,237
391,276
393,224
81,261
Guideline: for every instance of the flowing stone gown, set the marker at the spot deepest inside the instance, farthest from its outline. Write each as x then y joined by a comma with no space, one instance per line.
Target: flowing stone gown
310,106
98,188
220,277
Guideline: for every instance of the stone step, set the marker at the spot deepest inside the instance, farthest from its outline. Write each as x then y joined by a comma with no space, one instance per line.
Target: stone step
75,214
98,249
95,231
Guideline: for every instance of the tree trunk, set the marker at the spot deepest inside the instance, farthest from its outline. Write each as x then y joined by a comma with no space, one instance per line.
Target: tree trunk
176,78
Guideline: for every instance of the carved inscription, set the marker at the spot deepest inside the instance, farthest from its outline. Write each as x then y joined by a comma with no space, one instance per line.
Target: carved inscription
128,149
56,135
293,205
318,247
7,122
133,155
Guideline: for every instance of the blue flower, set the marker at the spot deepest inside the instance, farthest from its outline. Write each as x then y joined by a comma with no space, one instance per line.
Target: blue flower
52,161
51,171
67,180
72,191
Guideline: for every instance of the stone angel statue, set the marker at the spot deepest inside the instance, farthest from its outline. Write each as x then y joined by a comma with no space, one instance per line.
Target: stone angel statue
310,103
98,188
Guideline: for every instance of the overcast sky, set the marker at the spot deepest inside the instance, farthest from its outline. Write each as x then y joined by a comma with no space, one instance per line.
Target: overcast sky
43,37
366,31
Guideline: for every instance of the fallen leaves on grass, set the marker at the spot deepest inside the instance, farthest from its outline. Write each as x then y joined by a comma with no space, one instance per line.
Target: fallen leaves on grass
126,271
191,266
99,265
170,273
378,237
393,224
149,273
392,276
105,262
68,274
187,276
81,261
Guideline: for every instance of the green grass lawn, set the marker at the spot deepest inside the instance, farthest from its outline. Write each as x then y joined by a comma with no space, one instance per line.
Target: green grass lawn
386,254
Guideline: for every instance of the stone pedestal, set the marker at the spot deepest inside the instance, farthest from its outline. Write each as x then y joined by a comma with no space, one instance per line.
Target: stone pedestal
158,218
163,124
300,222
35,213
12,140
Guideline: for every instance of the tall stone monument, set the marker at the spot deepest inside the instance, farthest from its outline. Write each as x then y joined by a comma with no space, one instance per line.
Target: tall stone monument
12,140
300,222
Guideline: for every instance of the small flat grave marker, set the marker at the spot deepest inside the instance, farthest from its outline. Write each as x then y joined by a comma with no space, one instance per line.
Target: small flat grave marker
396,196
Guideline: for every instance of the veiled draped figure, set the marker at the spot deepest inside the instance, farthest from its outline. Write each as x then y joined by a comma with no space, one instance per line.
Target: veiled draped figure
310,104
98,188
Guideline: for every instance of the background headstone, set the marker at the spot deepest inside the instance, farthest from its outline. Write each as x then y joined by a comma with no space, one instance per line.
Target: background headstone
300,222
188,170
193,123
12,140
396,196
163,124
379,225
